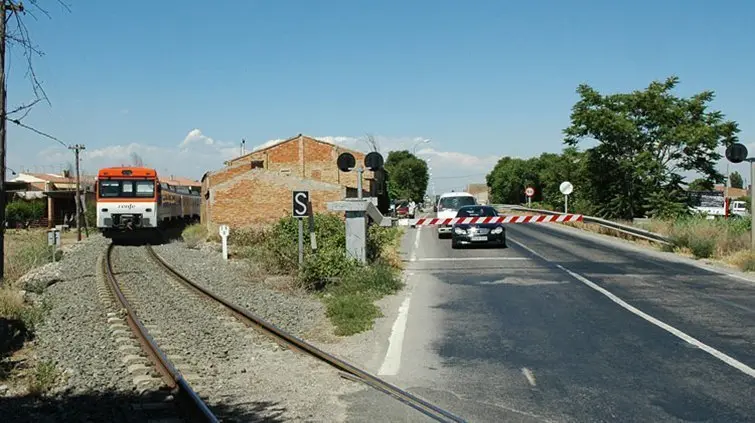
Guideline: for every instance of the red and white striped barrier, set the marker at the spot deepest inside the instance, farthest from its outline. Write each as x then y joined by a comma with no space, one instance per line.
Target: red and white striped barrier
538,218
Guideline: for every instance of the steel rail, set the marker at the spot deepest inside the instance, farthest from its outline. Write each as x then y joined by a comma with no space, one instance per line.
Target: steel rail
195,408
289,340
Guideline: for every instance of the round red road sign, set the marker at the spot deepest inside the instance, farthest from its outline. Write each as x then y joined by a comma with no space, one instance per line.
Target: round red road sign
529,191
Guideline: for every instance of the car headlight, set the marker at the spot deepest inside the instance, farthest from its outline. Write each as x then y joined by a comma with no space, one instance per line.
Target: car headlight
459,231
497,230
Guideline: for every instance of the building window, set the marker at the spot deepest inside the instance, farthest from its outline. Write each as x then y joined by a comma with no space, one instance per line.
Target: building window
258,164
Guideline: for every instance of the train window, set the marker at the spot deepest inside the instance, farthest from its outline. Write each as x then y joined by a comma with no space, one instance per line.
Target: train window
110,188
120,188
145,188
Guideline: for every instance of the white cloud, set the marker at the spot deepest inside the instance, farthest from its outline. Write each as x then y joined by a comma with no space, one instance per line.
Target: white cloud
194,137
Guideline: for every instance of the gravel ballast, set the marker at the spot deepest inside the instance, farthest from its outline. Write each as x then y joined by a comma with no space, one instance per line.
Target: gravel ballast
93,384
242,374
297,314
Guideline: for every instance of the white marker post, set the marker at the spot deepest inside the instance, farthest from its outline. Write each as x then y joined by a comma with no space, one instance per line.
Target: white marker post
224,230
53,240
566,188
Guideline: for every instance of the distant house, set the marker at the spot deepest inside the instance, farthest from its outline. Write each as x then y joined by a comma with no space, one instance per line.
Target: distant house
733,192
57,190
256,188
480,191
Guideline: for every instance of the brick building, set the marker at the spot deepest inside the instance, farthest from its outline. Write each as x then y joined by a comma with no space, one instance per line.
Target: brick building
256,188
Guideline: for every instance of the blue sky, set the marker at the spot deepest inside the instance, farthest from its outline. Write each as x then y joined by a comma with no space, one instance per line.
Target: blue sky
181,82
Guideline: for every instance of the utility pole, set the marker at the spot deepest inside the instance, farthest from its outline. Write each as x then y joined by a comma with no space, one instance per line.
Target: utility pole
5,6
77,148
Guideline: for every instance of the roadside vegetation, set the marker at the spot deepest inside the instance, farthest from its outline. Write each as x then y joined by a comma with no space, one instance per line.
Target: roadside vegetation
24,251
347,288
641,144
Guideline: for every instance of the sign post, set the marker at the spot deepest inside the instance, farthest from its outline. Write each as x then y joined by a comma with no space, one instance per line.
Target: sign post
737,153
566,188
529,192
224,230
300,211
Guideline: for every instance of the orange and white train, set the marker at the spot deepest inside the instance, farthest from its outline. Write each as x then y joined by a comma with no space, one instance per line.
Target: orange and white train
133,199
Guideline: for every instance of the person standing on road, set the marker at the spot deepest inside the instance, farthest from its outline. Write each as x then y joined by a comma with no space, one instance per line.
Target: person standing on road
412,208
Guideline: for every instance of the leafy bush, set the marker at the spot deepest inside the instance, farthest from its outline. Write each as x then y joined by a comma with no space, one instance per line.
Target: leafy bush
21,211
91,214
193,235
349,287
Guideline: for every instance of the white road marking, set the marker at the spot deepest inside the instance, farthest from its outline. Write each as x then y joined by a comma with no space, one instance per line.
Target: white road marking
392,360
668,328
529,376
413,257
470,258
520,281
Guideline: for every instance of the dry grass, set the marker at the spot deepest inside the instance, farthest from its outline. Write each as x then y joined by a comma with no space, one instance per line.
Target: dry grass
25,250
193,235
744,260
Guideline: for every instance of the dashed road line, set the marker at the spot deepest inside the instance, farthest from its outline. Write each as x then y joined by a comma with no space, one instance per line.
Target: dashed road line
668,328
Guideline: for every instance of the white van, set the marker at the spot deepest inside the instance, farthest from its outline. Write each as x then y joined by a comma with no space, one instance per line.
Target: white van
447,207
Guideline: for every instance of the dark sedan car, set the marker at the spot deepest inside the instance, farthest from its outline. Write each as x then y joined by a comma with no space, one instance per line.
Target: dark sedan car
478,233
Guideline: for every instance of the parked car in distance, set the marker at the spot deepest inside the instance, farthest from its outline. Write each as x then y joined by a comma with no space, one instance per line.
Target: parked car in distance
448,205
478,233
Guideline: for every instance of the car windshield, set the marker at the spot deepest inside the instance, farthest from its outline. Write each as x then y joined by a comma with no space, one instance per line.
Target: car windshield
456,203
477,212
114,188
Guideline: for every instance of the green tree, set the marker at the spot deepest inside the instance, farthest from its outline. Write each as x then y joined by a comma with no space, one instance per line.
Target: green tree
736,180
645,139
407,176
510,177
701,184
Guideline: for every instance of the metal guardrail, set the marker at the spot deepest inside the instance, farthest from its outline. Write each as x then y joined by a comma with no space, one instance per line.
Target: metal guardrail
629,230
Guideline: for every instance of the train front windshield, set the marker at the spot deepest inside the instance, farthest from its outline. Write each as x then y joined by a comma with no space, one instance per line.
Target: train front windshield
116,188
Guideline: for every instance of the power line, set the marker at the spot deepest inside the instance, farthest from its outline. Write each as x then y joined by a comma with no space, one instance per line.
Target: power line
37,131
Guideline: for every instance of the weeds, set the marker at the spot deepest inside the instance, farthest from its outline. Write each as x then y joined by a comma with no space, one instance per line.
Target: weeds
744,260
194,234
43,377
25,250
347,287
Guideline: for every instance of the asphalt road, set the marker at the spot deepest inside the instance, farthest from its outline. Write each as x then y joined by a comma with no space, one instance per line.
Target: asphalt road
563,327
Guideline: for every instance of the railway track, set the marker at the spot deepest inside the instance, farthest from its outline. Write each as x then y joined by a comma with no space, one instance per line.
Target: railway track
190,405
282,337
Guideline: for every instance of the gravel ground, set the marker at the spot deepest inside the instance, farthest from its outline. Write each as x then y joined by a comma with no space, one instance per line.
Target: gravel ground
242,374
94,384
297,314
